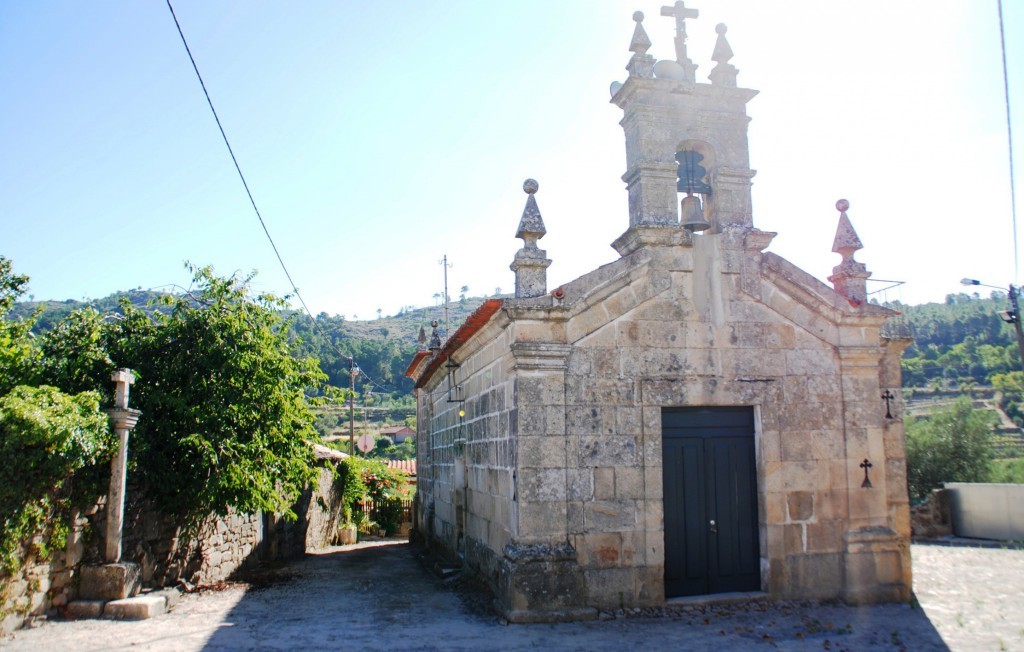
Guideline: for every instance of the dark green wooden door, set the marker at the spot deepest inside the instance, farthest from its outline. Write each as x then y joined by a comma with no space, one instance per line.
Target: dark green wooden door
711,543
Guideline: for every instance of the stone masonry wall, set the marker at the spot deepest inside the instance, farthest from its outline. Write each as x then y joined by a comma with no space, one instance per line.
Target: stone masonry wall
222,546
465,488
166,555
818,416
324,515
715,324
42,583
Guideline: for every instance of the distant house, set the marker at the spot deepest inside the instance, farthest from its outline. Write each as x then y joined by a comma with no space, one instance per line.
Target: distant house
408,467
397,434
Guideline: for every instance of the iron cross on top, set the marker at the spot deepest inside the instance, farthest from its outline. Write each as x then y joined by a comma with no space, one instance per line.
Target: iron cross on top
680,12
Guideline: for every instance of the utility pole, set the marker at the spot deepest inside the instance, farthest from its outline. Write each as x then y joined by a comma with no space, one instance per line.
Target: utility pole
1015,315
1011,316
445,265
353,371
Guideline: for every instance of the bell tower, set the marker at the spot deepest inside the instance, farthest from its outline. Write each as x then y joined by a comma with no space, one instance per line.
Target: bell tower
687,160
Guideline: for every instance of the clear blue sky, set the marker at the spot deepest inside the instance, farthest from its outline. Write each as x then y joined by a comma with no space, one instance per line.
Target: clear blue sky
379,136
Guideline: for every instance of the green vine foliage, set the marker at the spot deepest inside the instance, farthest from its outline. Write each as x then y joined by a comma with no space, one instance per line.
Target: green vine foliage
47,438
370,479
225,421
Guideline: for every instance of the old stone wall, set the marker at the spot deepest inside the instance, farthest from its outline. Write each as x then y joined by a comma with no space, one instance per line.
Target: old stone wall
934,517
323,515
166,554
43,581
465,487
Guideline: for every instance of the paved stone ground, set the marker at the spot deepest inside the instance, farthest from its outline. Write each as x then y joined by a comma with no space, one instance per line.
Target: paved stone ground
379,596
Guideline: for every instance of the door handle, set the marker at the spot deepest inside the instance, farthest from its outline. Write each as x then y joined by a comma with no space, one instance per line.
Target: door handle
714,527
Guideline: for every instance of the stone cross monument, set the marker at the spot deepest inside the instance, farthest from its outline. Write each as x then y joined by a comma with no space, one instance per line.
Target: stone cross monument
681,12
123,420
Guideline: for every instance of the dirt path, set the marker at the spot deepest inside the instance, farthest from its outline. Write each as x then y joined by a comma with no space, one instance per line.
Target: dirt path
381,597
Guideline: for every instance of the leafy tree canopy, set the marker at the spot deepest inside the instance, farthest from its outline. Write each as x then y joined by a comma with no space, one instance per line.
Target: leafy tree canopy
225,421
952,445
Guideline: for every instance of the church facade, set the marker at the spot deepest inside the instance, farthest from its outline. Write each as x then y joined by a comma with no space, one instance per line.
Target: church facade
698,417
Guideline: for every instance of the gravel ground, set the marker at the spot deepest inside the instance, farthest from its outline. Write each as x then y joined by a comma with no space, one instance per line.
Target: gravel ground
381,596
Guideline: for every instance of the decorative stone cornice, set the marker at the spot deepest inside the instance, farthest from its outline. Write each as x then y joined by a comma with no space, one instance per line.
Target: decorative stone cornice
640,236
757,240
540,355
123,418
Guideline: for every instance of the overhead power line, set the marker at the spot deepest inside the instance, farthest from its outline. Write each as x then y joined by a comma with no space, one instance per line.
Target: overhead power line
252,201
1009,138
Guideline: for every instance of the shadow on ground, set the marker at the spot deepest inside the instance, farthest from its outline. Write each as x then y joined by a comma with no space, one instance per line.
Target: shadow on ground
383,597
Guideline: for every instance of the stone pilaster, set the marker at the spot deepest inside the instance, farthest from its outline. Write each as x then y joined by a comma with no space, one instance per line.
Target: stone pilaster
539,575
653,200
731,203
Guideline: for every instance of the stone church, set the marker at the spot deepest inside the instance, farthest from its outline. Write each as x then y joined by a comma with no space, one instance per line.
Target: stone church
698,417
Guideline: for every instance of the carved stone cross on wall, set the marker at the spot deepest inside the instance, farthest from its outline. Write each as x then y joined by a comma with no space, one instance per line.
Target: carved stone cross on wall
867,481
888,396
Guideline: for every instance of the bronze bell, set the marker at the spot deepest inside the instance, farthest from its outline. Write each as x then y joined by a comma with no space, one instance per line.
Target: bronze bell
692,215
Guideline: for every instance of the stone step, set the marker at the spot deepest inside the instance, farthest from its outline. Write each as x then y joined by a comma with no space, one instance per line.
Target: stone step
140,607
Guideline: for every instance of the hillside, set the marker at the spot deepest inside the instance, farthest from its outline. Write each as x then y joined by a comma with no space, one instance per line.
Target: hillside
380,347
959,344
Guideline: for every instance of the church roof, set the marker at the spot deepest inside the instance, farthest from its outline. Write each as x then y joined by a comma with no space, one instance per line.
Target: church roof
472,324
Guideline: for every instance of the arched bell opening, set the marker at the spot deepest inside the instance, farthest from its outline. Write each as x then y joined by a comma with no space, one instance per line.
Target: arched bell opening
694,159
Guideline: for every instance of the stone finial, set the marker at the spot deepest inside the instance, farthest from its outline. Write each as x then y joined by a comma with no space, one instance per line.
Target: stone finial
640,64
846,242
681,12
640,43
531,225
849,278
422,339
531,263
435,338
724,73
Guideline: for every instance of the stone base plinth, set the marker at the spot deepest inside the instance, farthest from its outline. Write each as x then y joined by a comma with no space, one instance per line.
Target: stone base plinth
110,581
542,583
874,567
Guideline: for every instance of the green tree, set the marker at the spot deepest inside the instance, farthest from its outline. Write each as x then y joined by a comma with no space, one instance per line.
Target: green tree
951,445
46,437
17,352
1011,394
74,354
225,420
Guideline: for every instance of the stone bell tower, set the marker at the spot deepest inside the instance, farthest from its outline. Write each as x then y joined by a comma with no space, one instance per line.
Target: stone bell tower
685,140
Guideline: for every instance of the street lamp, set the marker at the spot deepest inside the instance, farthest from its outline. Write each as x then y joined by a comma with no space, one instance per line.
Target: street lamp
1011,316
353,371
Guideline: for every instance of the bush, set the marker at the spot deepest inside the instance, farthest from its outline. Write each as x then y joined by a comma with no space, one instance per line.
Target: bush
1009,471
225,423
373,481
952,445
46,438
